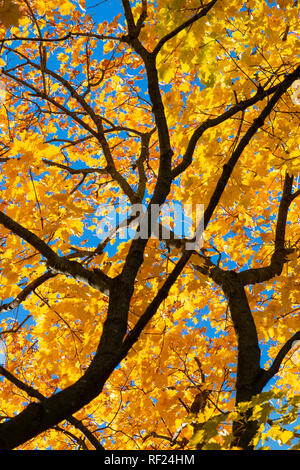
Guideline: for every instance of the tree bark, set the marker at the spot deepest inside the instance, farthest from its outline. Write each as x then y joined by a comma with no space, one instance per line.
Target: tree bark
248,361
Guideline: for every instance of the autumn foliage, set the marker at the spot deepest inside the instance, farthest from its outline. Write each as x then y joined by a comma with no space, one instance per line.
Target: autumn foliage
140,343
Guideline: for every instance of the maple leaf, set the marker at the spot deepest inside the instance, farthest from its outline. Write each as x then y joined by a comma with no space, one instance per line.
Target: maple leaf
9,13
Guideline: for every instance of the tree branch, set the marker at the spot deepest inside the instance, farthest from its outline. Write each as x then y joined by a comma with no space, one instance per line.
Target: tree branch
75,171
274,368
152,308
26,292
227,170
129,17
257,123
66,84
41,94
277,90
279,257
32,392
183,26
57,264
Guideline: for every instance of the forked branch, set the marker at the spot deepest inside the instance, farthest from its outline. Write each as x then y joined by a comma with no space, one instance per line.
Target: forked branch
57,264
279,257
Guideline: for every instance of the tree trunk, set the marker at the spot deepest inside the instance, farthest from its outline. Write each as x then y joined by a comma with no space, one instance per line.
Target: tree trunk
248,361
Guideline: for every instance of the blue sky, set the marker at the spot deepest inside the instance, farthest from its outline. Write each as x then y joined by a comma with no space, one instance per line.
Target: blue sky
103,10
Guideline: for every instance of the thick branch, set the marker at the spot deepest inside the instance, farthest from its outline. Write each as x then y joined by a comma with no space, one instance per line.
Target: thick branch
279,257
164,180
63,404
129,18
102,37
258,122
183,26
153,90
26,292
111,168
227,170
152,308
241,106
28,236
75,171
32,392
274,368
97,280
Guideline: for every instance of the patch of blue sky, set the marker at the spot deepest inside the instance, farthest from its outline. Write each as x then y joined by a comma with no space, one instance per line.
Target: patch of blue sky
103,10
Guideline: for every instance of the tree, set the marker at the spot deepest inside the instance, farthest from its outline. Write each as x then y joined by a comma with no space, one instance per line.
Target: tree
149,342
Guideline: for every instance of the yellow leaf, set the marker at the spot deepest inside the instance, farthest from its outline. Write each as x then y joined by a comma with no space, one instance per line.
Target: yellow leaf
9,13
66,7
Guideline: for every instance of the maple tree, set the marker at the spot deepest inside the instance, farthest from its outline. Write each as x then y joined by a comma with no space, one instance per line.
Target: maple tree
141,343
